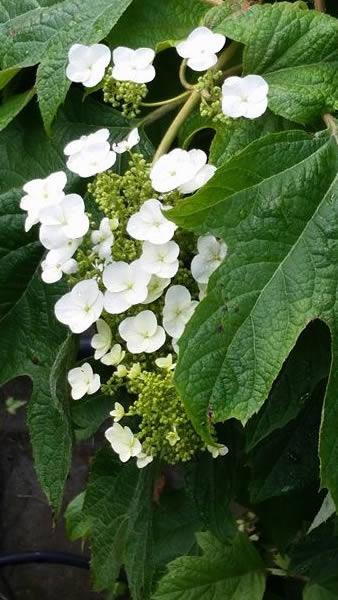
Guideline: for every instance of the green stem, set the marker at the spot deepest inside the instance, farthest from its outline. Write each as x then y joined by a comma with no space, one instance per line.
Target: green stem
226,56
158,113
232,70
171,133
168,101
183,80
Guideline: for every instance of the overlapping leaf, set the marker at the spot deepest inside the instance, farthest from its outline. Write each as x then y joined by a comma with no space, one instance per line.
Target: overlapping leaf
275,204
296,51
32,33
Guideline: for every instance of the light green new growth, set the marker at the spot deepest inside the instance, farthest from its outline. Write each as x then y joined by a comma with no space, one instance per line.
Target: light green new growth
165,429
125,95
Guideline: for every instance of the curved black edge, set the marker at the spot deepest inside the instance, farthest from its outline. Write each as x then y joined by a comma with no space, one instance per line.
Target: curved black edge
56,558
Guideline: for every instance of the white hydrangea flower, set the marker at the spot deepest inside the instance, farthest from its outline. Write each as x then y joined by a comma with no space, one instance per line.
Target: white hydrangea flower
114,357
126,145
87,64
118,412
218,450
211,254
160,259
156,286
123,442
142,333
200,48
142,460
149,224
165,362
63,222
81,307
126,285
103,239
203,172
83,381
101,341
133,65
182,169
245,96
178,308
90,154
40,194
59,261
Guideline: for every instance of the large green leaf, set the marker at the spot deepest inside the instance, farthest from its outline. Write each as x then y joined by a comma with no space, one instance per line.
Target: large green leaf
31,337
13,105
299,61
157,24
129,526
279,220
41,32
231,572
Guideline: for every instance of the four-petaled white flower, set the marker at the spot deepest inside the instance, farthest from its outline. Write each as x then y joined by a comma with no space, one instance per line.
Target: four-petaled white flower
123,442
245,96
133,65
200,48
42,193
87,64
160,259
59,261
90,154
182,169
62,222
142,333
156,286
118,412
81,307
114,356
103,239
149,224
126,285
142,460
211,253
203,172
83,381
218,450
128,143
178,308
101,341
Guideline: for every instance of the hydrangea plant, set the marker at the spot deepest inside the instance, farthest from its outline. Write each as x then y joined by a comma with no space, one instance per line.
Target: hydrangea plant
175,212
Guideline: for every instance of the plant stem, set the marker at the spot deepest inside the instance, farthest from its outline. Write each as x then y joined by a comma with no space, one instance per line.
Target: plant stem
331,124
171,133
320,5
232,70
159,112
163,102
226,55
183,80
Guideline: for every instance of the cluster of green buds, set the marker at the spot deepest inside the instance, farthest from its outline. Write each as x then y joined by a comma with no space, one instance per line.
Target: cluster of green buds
210,105
125,95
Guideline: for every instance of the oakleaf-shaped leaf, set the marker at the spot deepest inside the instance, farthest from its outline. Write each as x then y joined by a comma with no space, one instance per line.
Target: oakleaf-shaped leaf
231,572
275,204
299,61
33,33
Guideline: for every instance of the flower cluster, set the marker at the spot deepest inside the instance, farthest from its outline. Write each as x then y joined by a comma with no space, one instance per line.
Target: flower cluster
131,272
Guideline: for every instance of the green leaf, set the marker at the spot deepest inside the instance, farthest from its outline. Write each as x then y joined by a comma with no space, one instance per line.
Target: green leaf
315,591
77,525
299,61
13,105
157,24
6,76
278,218
287,460
36,33
326,511
307,365
236,573
31,336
